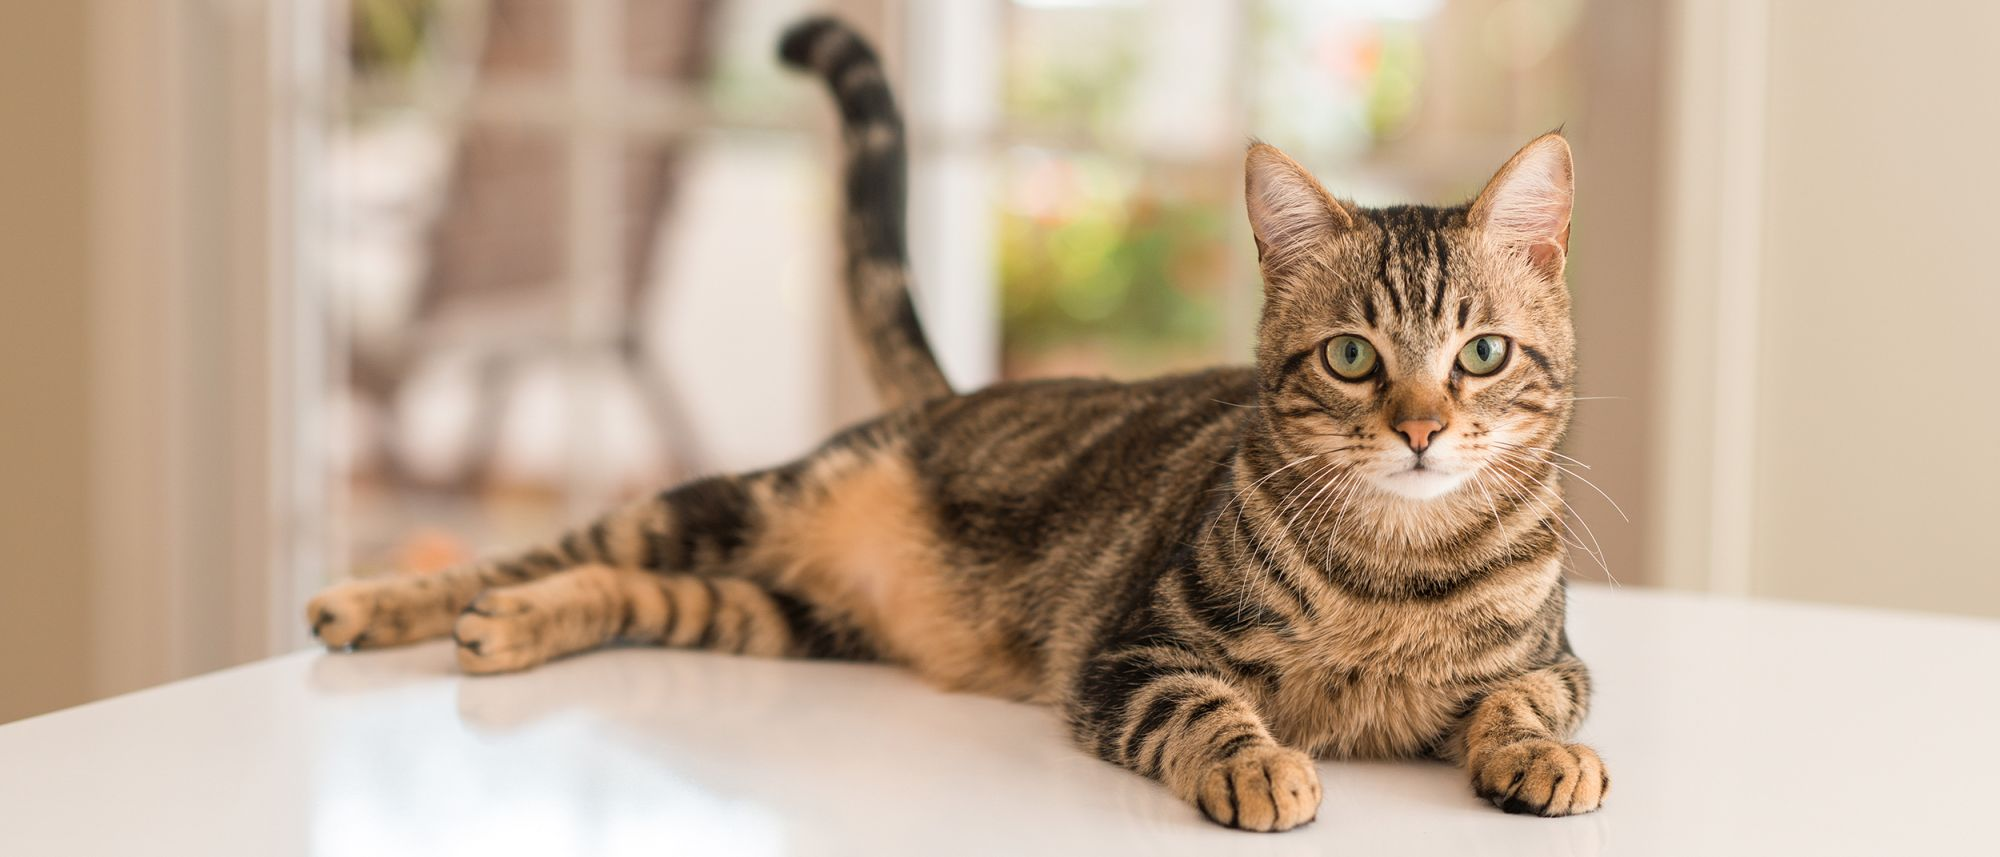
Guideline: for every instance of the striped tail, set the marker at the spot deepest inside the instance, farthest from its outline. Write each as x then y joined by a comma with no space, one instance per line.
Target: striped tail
900,362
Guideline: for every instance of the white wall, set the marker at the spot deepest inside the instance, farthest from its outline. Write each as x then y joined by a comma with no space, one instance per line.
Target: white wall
137,494
44,366
1877,475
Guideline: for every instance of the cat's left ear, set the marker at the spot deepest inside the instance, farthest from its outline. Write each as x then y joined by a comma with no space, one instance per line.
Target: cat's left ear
1526,205
1291,215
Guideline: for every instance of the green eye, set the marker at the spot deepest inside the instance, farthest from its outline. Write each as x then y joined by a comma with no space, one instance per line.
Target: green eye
1350,358
1483,356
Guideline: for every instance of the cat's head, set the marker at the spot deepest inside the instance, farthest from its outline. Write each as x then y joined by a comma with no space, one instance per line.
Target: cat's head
1426,349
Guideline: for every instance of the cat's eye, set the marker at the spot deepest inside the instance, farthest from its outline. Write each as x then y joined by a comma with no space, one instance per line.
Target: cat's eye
1483,356
1349,358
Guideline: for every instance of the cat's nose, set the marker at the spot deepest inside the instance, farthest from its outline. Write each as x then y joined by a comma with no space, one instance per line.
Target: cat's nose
1419,431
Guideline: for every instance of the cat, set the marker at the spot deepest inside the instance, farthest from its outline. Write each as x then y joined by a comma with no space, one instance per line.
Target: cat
1346,550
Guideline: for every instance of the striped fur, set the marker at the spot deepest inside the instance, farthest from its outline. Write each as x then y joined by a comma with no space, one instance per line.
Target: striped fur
899,359
1216,577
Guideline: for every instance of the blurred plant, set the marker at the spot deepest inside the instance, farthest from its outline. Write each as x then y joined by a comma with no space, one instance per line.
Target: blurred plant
1394,84
1062,95
387,36
1110,262
1107,262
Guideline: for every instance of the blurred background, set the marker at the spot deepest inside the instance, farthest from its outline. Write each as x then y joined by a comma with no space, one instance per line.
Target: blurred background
307,290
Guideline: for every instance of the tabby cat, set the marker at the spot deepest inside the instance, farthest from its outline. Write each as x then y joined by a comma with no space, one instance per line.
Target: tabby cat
1347,550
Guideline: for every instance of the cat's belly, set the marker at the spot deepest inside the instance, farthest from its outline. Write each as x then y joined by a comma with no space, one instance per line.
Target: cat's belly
1342,714
868,554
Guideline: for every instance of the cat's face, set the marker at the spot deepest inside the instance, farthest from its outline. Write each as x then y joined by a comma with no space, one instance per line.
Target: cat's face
1424,351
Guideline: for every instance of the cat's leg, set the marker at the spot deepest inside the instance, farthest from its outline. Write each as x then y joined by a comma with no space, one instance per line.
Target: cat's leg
1159,711
517,627
1514,744
695,527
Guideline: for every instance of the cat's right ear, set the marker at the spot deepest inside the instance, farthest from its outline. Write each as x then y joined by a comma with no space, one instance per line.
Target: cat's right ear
1290,214
1526,206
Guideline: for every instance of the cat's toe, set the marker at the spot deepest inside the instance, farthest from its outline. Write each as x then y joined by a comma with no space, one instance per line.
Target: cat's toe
340,616
497,635
1541,777
1267,788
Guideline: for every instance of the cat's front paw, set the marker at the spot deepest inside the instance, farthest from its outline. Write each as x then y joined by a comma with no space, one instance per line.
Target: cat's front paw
1268,788
1542,778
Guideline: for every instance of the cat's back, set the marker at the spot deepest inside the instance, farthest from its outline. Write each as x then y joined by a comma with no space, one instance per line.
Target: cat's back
1072,436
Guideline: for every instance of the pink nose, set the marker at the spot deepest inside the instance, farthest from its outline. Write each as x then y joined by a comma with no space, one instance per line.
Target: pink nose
1419,432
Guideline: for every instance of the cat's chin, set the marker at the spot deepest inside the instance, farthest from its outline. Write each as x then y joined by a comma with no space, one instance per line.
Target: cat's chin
1419,485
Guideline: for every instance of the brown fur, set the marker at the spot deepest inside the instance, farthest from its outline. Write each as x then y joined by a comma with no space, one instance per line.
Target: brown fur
867,552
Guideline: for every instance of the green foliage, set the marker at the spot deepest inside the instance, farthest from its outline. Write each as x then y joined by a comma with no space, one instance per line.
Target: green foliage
1134,276
388,35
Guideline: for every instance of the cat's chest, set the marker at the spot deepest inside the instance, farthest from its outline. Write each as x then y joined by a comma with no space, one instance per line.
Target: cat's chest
1359,714
1382,685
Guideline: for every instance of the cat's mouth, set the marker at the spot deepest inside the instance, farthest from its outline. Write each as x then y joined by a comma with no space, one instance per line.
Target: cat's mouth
1419,480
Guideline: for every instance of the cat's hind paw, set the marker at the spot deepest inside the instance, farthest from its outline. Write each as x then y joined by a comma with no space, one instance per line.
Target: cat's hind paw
499,632
372,613
341,615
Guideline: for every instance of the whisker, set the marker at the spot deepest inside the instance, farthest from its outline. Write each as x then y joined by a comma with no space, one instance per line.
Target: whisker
1237,501
1292,523
1244,597
1566,535
1340,477
1509,477
1593,486
1313,507
1349,481
1478,478
1543,449
1311,480
1346,494
1490,506
1599,553
1596,549
1580,477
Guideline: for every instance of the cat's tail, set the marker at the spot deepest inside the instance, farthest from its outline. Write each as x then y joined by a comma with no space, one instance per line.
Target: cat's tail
900,362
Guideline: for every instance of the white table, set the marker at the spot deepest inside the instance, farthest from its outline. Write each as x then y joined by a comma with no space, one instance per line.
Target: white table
1729,727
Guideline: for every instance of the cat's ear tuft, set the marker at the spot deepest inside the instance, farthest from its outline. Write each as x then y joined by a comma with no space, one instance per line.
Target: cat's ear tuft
1526,206
1289,211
